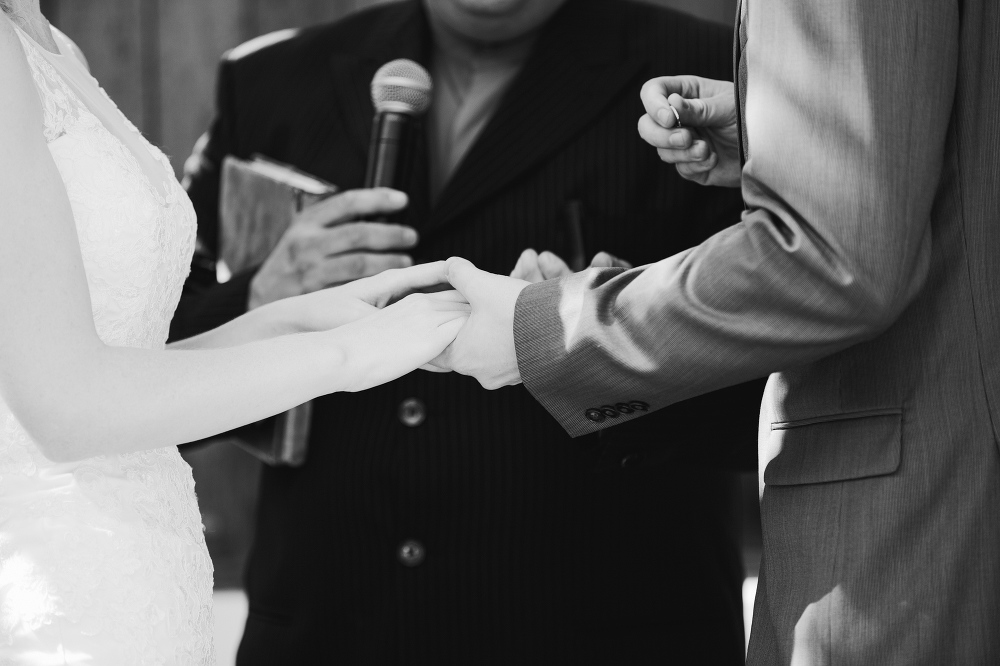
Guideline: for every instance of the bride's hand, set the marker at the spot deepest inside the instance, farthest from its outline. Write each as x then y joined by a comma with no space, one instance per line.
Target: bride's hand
399,338
337,306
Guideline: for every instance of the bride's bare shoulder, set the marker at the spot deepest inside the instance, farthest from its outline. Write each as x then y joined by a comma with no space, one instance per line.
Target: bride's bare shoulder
12,58
21,108
8,38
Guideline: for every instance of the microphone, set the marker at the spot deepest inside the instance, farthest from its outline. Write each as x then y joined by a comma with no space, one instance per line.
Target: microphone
401,93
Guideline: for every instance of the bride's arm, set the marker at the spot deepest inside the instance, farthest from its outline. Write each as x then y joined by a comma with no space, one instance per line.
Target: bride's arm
78,397
320,310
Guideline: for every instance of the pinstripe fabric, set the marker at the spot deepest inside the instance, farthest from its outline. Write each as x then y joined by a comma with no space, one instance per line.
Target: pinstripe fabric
865,271
539,549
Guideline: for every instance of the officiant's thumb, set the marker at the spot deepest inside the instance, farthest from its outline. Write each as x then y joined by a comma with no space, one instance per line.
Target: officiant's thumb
463,274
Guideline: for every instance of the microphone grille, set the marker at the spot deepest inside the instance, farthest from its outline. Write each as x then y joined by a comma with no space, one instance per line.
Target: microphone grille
402,86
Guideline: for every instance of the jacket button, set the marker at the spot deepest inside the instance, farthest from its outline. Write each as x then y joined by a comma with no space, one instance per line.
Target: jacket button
411,553
594,415
412,412
624,408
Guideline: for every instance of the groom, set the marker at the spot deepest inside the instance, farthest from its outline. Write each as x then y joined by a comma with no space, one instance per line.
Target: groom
864,274
434,522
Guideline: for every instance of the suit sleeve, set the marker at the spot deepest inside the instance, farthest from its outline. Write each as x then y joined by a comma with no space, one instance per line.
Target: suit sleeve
847,108
205,303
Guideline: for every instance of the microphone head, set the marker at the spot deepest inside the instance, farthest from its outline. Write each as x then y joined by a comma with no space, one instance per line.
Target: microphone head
402,86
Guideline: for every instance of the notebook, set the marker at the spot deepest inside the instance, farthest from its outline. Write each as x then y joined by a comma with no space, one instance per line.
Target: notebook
260,198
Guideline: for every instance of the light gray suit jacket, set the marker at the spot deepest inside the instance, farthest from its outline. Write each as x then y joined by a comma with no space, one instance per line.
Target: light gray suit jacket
865,275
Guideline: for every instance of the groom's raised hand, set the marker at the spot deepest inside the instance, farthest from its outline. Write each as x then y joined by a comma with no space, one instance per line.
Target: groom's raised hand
484,348
691,121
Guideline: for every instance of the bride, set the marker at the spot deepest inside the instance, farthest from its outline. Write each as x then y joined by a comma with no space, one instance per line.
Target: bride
102,559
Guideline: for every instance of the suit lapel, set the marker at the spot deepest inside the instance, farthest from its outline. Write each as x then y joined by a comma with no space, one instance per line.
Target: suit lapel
740,67
403,33
575,70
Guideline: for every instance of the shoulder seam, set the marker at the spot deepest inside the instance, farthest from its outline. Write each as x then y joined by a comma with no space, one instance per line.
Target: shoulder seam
260,43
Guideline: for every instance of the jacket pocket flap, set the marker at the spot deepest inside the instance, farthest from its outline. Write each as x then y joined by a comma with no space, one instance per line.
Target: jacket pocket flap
835,448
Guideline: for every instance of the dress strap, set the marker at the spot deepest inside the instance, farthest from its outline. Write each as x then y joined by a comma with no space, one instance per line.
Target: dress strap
69,92
58,107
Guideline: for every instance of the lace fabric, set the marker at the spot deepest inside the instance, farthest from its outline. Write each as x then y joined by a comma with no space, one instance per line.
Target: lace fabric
103,561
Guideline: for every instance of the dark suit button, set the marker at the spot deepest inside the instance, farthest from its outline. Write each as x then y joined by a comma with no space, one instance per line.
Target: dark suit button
411,553
610,411
624,408
594,415
412,412
631,460
639,405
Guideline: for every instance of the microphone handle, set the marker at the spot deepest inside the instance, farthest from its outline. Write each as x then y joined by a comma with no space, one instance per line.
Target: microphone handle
390,133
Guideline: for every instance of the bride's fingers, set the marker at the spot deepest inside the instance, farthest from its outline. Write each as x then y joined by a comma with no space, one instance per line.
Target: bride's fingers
461,308
391,284
446,316
450,296
449,329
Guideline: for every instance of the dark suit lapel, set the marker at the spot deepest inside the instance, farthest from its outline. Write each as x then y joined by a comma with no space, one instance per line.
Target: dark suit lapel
574,72
403,33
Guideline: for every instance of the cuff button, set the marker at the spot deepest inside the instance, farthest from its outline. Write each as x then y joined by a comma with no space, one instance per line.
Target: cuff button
411,553
624,408
594,415
639,405
609,411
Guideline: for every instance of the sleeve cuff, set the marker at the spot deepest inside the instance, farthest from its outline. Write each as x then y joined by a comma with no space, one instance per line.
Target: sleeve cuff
561,379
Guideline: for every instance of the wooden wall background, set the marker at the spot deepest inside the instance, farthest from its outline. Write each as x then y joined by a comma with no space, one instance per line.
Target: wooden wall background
157,59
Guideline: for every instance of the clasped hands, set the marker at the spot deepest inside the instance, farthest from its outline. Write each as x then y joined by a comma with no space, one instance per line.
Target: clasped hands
690,121
705,149
403,314
392,310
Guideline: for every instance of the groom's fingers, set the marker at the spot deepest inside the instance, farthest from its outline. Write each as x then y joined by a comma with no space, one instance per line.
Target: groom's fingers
654,94
698,102
717,111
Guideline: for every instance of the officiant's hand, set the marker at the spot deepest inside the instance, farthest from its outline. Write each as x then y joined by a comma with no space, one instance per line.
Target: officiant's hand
534,267
327,245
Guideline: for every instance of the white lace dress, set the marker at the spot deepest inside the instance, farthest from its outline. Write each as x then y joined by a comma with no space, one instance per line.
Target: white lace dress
103,562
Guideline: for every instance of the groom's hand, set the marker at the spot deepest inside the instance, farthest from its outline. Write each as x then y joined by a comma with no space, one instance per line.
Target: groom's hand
329,243
484,348
705,144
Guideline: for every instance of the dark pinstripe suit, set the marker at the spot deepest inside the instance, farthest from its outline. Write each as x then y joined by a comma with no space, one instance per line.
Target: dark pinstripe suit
539,549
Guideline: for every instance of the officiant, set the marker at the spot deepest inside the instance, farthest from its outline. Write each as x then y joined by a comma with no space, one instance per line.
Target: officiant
433,521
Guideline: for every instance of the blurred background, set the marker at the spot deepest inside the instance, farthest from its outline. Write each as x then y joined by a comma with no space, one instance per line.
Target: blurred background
157,59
